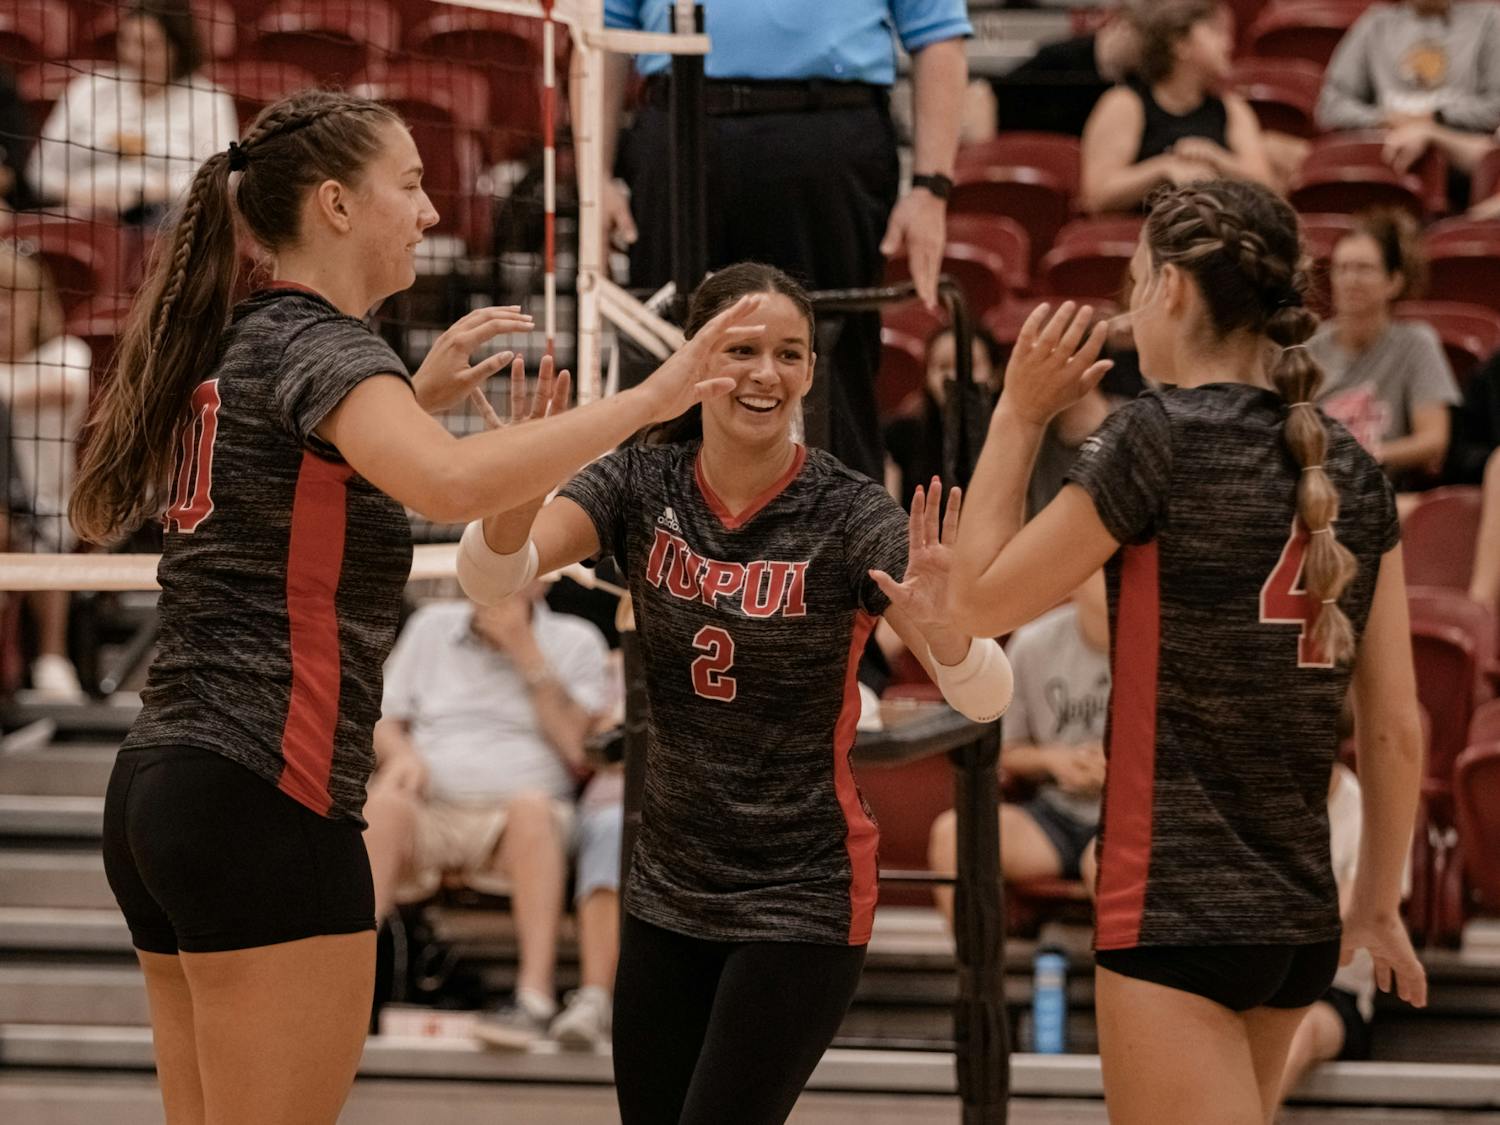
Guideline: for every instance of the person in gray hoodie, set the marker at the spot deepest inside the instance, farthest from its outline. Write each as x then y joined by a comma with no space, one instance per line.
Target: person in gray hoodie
1420,61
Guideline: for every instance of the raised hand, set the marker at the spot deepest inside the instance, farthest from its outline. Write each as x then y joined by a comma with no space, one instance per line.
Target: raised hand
1053,365
550,399
923,593
687,376
446,375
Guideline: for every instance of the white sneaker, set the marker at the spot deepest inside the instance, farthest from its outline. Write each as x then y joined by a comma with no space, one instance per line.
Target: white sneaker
55,680
585,1022
517,1025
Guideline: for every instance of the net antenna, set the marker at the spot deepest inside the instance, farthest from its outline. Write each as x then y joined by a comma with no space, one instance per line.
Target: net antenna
599,298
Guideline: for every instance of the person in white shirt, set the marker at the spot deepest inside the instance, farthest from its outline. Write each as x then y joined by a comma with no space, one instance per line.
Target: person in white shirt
44,385
128,138
1338,1025
481,748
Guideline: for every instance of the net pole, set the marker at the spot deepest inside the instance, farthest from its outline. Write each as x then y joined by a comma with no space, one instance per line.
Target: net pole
549,175
588,116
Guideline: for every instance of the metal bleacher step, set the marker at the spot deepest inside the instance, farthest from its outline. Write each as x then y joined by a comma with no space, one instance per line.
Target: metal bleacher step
51,817
51,930
69,770
59,879
66,994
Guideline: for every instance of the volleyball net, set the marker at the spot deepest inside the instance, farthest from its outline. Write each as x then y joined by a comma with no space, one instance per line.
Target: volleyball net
110,106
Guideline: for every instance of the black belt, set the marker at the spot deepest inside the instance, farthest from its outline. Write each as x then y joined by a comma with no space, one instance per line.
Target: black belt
730,97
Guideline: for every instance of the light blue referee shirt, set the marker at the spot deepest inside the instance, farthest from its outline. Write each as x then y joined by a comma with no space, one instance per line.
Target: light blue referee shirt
841,40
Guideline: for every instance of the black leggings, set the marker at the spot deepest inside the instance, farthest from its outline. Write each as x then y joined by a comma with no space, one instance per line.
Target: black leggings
722,1032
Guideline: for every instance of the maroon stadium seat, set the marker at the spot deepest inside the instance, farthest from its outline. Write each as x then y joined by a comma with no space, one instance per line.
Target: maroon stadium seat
446,106
1001,234
1486,179
1447,661
1476,795
903,368
1321,232
508,49
906,799
1465,268
1441,605
1302,29
1439,537
84,256
912,318
1470,333
1004,323
1347,172
1484,724
1030,177
979,271
35,30
1283,92
331,39
1089,258
214,20
256,83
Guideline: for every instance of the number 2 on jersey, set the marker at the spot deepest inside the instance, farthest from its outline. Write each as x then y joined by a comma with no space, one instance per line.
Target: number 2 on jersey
1284,599
709,679
192,487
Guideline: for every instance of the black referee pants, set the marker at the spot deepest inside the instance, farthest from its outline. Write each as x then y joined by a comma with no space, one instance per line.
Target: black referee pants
722,1033
810,193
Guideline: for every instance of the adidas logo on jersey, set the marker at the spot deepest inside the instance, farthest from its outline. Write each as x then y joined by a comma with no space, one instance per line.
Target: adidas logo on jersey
668,519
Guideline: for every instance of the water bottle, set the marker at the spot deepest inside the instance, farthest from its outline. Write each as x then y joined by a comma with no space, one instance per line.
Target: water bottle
1049,1002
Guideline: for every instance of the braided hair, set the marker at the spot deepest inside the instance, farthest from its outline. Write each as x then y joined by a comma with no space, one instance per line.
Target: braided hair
1240,243
173,330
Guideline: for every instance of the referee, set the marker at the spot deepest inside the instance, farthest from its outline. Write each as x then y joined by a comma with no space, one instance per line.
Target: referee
802,167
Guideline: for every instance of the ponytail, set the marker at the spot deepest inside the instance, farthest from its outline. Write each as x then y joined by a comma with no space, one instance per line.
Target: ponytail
1328,566
171,338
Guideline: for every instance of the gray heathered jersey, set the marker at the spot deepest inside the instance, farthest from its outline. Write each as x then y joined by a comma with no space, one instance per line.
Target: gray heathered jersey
283,570
1222,721
751,629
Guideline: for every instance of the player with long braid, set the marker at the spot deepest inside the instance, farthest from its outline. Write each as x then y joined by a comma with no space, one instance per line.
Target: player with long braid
1240,612
281,441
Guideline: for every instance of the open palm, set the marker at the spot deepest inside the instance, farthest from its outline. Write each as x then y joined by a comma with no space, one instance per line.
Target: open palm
923,593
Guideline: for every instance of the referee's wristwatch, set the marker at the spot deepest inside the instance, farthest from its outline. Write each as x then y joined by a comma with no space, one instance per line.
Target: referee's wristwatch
935,182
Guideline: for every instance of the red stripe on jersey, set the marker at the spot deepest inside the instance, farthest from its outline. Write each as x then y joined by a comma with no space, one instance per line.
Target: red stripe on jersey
730,520
315,560
861,837
1125,862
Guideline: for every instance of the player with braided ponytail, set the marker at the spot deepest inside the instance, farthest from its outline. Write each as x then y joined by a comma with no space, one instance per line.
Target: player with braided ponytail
281,441
1254,564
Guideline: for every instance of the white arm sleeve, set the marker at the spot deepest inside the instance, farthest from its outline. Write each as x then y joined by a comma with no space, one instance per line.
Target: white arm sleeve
979,686
488,576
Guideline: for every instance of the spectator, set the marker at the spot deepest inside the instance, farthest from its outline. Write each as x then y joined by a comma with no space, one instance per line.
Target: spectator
480,744
1422,61
1167,125
797,105
44,385
128,138
1338,1025
1388,381
1072,74
1054,737
914,441
1408,142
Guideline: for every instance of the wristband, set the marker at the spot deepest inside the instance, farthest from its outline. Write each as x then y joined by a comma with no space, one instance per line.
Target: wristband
486,575
980,686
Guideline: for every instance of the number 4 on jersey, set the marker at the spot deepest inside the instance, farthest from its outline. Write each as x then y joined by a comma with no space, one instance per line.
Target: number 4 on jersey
1285,601
709,679
192,486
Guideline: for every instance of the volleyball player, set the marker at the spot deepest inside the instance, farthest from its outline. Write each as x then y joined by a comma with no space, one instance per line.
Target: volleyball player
1240,612
757,569
282,444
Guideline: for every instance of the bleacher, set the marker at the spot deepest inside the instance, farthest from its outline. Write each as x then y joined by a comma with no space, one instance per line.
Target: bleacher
72,1007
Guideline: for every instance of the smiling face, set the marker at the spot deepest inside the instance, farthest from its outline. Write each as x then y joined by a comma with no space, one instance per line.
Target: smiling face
772,373
389,212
